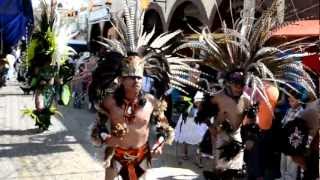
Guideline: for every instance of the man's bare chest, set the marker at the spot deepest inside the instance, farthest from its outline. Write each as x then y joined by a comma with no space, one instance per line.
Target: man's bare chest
138,116
230,109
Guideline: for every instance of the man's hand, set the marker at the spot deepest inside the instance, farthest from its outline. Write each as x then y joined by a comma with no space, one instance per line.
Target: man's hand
157,147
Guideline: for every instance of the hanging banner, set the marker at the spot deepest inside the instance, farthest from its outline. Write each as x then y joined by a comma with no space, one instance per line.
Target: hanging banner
16,20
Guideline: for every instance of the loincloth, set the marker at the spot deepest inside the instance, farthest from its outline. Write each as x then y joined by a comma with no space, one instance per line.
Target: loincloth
131,163
235,163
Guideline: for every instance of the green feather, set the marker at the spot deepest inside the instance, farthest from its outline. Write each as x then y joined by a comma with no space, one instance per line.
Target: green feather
34,82
65,94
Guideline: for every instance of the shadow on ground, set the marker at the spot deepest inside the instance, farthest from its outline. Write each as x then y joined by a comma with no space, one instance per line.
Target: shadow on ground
78,122
37,144
19,132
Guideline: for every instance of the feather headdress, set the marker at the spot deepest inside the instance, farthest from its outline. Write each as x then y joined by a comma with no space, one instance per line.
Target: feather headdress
48,43
133,41
245,47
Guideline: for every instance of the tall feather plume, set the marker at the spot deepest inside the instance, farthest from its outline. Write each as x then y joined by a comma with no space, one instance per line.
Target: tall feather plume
130,25
158,61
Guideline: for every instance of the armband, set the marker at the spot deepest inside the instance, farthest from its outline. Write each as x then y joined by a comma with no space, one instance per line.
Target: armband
160,108
119,129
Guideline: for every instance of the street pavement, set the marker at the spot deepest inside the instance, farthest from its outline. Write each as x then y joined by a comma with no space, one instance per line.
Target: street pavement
64,152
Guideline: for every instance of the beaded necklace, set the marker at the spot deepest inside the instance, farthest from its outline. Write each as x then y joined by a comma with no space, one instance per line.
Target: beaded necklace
129,110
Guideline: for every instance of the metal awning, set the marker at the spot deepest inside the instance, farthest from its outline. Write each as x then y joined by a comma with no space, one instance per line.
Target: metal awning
299,29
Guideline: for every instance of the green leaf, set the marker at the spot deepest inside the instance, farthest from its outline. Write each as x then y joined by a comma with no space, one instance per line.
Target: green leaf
34,82
30,113
65,94
54,111
31,50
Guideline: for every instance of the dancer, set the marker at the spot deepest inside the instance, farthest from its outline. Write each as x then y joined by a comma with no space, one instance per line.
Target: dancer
45,59
244,60
124,110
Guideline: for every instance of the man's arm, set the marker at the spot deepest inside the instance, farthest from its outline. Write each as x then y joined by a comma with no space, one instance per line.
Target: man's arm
165,133
99,131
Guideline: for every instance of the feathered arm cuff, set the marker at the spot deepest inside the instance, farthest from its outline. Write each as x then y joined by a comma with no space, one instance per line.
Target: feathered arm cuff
165,133
160,108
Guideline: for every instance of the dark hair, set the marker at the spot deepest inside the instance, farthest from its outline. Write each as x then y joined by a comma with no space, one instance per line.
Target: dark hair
119,97
131,53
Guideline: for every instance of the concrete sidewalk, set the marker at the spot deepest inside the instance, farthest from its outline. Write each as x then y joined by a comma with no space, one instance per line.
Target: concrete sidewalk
64,152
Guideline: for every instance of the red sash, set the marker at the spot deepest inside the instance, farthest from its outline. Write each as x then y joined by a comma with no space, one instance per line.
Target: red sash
129,158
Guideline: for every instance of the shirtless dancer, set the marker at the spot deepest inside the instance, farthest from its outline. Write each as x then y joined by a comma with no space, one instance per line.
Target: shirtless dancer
117,92
129,112
229,108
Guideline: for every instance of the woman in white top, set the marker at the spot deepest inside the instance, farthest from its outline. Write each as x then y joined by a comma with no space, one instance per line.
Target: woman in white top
187,131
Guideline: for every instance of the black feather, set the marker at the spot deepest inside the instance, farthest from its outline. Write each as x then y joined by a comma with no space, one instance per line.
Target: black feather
230,150
104,75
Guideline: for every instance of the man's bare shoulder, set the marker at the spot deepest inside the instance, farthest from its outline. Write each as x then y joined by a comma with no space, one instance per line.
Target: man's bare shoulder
108,101
217,97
